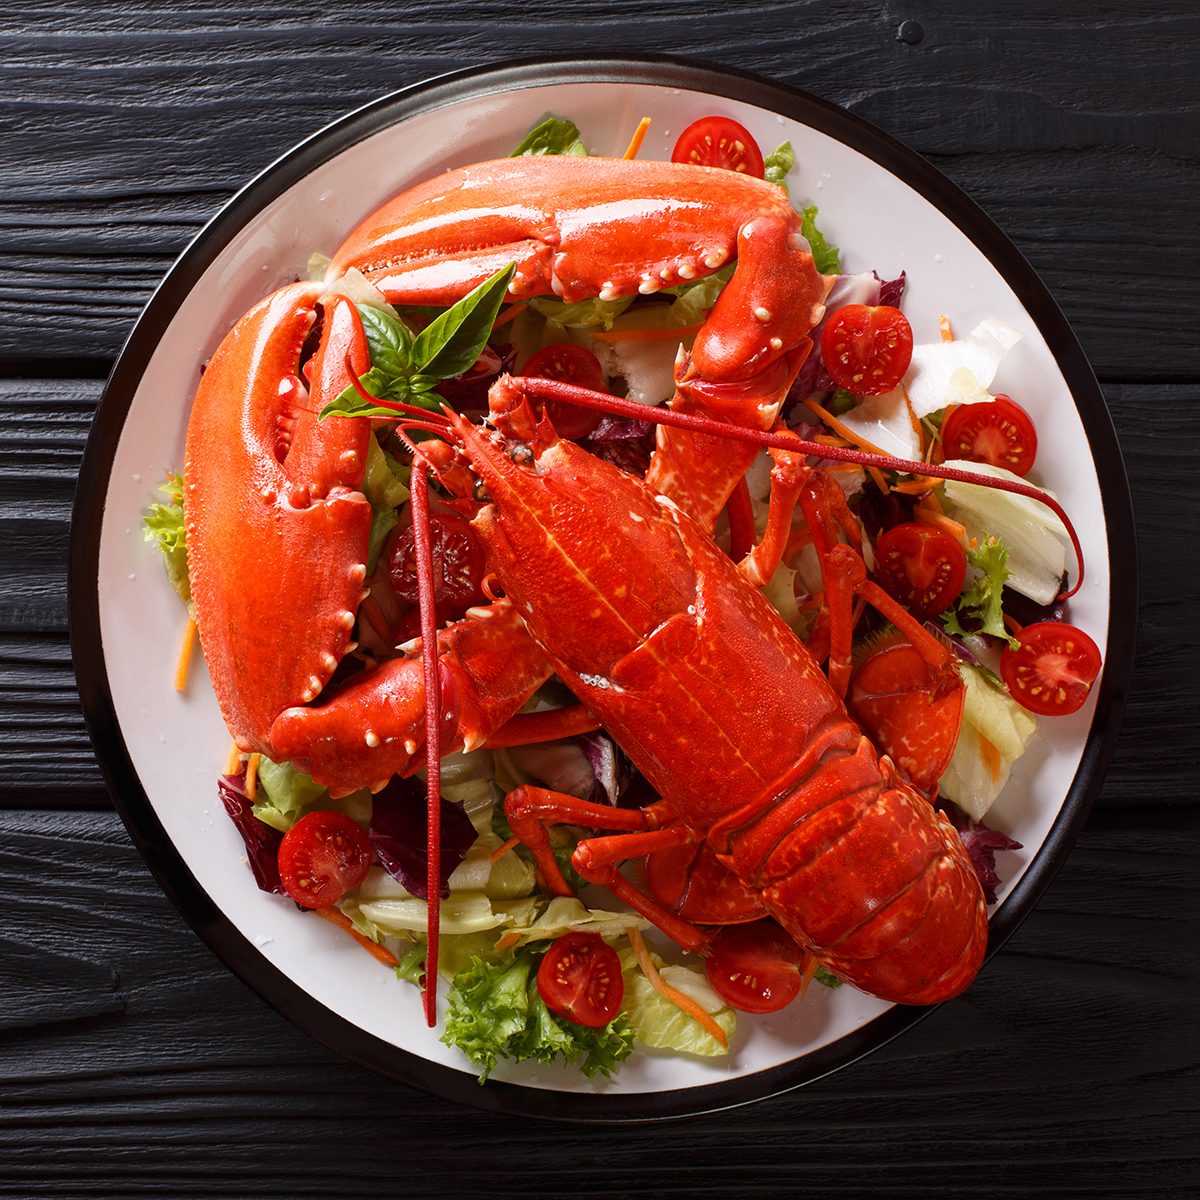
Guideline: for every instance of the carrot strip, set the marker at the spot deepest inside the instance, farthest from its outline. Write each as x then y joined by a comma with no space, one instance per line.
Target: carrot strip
335,916
233,760
928,516
830,439
660,334
914,487
501,851
510,314
1013,625
843,430
944,328
808,969
639,136
252,777
667,992
184,662
991,758
511,938
880,479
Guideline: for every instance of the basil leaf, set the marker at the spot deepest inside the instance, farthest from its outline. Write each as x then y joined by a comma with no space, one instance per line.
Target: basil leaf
451,344
778,163
388,340
554,135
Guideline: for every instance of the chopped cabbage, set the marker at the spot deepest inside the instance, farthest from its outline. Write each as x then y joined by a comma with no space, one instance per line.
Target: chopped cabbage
958,372
885,421
565,914
659,1023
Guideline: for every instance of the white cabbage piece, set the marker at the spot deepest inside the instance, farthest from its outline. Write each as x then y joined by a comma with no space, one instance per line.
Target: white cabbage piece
648,367
662,1025
462,912
565,914
958,372
1034,537
995,731
885,421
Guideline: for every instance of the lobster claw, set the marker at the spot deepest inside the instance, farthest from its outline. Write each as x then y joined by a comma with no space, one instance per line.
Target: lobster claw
277,528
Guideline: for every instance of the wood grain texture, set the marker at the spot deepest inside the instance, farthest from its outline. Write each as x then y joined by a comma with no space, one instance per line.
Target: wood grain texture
159,1074
133,1064
115,160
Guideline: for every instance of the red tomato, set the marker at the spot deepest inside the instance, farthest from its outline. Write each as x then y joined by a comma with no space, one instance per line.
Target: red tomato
458,562
921,566
322,857
867,349
570,364
999,432
755,968
580,979
1052,670
720,142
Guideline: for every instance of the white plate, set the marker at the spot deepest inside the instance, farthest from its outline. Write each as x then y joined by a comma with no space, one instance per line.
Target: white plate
883,205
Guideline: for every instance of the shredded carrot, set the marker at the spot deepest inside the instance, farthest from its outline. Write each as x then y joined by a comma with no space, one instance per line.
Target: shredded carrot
184,662
510,314
511,938
918,431
335,916
501,851
233,760
252,777
660,334
914,487
830,439
667,992
944,328
930,516
807,970
639,136
843,430
991,758
880,479
1013,625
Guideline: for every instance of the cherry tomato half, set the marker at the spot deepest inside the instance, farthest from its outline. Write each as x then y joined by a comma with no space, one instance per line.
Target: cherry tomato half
1052,670
867,349
580,979
322,857
755,968
720,142
921,566
999,432
458,562
570,364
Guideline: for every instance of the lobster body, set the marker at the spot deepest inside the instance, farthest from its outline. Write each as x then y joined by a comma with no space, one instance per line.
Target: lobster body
722,708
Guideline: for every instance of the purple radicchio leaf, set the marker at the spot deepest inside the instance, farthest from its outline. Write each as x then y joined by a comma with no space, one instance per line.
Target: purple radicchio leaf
625,442
608,761
399,836
812,378
891,291
261,840
467,393
981,843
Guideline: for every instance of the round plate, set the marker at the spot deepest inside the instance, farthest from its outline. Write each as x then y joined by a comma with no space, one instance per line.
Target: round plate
885,206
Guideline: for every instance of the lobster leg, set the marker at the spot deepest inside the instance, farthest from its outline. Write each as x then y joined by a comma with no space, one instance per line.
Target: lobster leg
638,831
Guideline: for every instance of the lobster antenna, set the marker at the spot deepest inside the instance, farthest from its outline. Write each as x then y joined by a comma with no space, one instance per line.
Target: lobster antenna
423,553
571,393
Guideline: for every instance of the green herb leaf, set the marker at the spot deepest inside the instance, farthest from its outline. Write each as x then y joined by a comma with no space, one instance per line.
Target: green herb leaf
824,255
981,602
554,135
164,525
388,340
826,978
778,163
350,404
841,402
451,343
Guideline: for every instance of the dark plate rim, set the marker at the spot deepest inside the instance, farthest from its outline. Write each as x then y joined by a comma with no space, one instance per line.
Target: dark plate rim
130,798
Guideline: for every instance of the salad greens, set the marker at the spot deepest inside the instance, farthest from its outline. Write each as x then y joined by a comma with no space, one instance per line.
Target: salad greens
164,525
553,136
981,604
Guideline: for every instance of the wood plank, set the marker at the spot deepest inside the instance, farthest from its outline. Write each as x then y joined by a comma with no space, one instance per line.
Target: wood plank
157,1073
1091,173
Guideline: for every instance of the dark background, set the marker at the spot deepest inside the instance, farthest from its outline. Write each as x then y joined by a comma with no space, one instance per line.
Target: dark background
133,1064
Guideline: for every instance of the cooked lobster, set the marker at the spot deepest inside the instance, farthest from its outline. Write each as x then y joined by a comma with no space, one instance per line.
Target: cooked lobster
611,582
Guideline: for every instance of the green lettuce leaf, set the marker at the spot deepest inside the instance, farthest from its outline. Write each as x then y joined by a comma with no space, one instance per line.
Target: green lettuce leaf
981,602
164,525
826,978
554,135
662,1025
283,794
824,255
385,485
693,300
494,1011
778,163
583,314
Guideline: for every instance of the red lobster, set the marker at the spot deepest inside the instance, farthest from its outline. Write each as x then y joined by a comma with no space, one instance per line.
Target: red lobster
680,659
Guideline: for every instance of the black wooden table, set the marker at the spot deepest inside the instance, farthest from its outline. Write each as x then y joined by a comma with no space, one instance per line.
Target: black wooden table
133,1064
